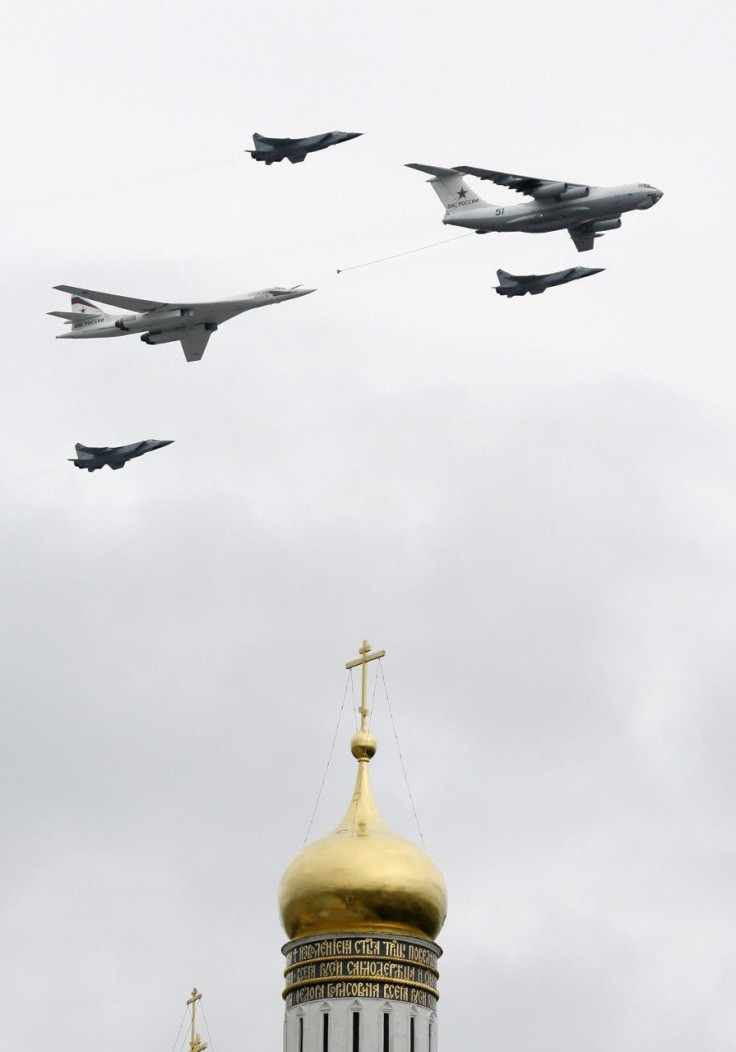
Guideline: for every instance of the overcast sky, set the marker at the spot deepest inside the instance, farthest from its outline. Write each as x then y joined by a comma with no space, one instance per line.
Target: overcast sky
529,503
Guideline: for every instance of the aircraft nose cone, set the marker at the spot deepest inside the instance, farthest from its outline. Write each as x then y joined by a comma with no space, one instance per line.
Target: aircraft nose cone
352,135
302,292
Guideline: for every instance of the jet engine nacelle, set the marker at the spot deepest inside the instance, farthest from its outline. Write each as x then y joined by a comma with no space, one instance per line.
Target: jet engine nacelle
550,190
561,191
573,192
599,225
169,336
143,322
124,323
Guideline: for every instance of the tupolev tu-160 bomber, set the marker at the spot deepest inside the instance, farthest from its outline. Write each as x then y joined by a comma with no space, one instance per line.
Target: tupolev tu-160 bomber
191,324
295,150
586,212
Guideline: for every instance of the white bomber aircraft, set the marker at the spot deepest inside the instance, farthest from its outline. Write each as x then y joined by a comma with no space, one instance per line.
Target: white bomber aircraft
586,212
190,323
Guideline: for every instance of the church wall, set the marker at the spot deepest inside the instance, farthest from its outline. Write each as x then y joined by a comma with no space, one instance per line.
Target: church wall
308,1035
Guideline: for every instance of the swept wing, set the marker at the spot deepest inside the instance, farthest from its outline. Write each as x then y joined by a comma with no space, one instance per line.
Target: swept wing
215,310
436,171
540,189
125,302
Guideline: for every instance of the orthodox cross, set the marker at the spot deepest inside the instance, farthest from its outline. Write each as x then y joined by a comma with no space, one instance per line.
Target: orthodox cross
366,655
196,1044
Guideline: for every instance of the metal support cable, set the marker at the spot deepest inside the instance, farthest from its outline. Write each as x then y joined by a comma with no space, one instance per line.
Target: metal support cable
206,1027
181,1027
401,758
329,758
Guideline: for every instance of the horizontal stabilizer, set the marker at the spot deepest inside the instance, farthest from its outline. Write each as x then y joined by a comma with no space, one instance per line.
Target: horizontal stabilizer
431,169
125,302
68,316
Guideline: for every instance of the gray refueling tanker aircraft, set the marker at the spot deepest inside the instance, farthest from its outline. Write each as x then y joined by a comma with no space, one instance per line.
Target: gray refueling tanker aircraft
190,323
95,457
270,150
586,212
520,284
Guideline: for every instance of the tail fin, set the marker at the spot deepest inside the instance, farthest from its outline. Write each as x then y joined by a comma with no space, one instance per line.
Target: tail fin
260,145
80,306
451,188
268,140
506,280
80,312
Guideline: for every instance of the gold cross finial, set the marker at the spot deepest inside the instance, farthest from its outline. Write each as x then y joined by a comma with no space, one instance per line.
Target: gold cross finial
196,1044
366,655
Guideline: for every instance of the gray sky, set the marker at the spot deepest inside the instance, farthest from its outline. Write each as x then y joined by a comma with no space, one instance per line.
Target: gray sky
529,503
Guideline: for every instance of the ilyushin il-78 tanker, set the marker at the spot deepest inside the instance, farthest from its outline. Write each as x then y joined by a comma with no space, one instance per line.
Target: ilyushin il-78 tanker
586,212
295,150
191,324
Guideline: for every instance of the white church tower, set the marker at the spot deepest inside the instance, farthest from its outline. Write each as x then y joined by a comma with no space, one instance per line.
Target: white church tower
361,908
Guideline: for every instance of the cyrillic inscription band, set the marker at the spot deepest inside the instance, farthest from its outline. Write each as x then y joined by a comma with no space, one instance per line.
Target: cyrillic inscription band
357,966
358,946
353,969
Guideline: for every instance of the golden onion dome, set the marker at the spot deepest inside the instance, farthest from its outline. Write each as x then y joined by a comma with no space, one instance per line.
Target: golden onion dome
362,877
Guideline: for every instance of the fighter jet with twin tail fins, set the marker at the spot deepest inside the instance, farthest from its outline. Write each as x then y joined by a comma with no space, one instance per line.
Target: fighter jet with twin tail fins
586,212
191,324
95,457
535,284
270,150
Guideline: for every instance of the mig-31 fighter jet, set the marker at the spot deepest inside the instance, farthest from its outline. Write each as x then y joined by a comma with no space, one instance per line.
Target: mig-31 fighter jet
270,150
520,284
95,457
190,323
586,212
